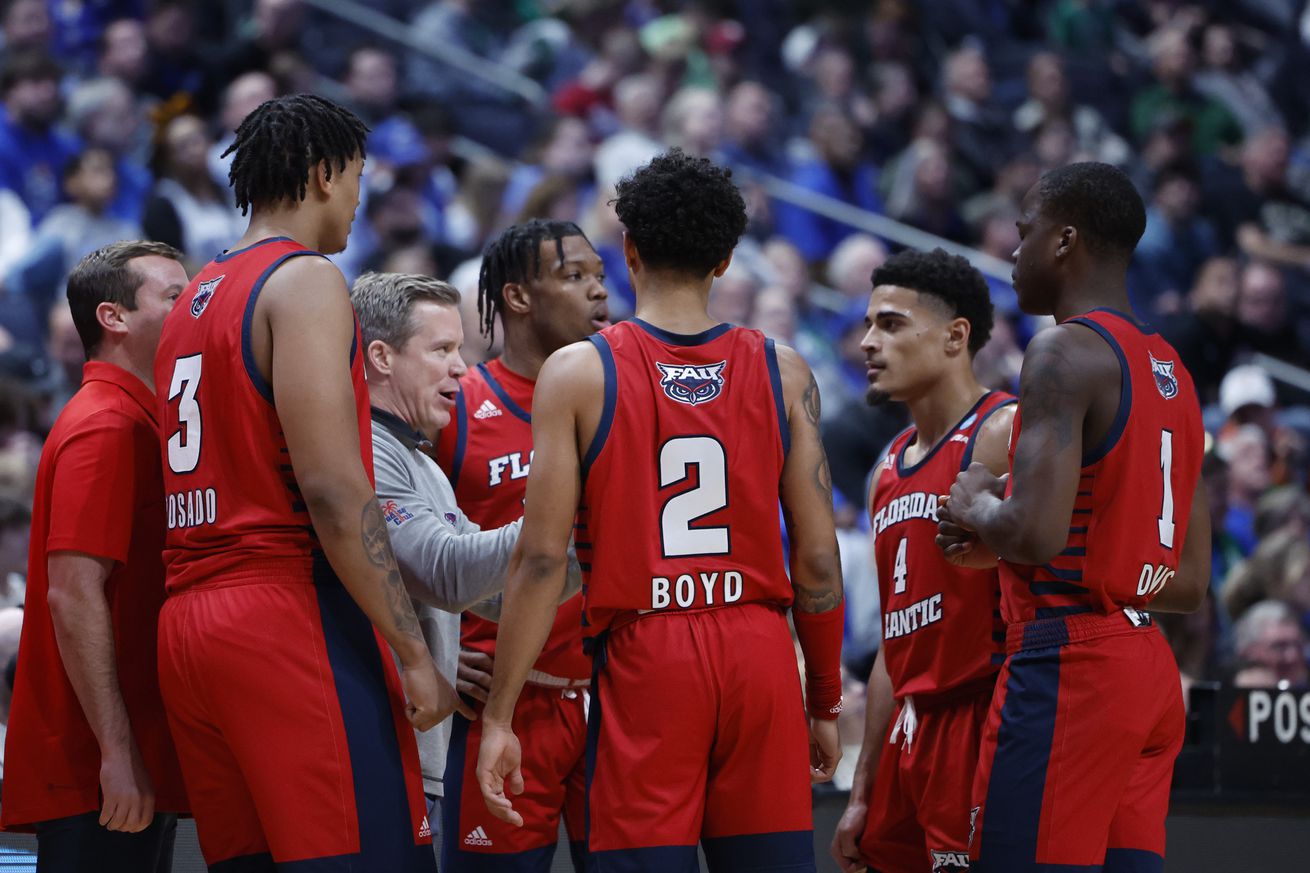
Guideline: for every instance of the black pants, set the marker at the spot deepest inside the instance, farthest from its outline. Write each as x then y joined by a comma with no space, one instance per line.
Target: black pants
78,844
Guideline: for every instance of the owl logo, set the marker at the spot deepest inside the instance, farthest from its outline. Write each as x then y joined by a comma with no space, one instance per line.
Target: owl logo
1165,380
204,293
690,383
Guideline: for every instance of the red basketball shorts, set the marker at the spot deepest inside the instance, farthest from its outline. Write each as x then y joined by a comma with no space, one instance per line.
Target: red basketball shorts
697,733
551,724
289,721
919,808
1078,751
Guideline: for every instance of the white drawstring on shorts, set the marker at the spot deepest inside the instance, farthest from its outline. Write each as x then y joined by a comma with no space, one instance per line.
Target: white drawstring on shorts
906,722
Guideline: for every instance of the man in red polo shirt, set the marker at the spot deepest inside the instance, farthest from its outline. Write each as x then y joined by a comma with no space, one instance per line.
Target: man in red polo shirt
89,763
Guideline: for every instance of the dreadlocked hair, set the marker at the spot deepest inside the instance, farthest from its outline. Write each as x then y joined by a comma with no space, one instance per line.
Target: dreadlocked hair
279,144
515,256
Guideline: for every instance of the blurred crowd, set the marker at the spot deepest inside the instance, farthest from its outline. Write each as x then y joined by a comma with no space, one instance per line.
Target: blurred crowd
939,114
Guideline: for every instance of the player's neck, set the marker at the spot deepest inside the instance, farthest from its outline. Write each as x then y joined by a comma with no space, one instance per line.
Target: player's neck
120,356
522,354
299,225
677,308
1100,290
937,411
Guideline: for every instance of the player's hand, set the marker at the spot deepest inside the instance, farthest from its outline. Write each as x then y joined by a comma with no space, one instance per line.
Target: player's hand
972,484
473,678
129,796
954,539
499,760
825,749
429,698
845,848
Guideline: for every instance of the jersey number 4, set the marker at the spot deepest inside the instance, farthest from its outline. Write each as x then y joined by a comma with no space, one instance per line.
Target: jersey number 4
184,444
677,457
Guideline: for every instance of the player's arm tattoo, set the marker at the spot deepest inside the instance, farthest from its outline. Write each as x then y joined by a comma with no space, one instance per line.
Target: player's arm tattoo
816,599
1045,398
377,545
813,406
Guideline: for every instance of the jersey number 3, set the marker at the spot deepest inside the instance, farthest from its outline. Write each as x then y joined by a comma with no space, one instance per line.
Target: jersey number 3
184,444
677,456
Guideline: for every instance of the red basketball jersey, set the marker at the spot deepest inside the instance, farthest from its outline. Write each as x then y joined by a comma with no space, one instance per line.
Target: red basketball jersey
486,451
680,484
1135,495
234,509
941,624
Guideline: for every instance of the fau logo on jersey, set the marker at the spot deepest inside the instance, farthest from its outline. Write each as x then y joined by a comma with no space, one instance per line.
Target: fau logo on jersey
204,293
691,384
1165,380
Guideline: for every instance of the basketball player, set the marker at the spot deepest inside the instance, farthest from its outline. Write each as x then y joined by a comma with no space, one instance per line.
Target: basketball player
1103,514
89,762
664,445
929,313
545,283
283,591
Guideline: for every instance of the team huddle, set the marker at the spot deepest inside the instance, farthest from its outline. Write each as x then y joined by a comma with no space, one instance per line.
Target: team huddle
396,597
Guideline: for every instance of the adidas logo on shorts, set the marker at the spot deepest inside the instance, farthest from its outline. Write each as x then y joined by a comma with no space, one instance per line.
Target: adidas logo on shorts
478,837
487,410
424,829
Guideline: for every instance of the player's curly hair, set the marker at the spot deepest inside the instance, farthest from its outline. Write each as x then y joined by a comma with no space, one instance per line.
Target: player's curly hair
682,213
949,278
282,141
1100,201
515,256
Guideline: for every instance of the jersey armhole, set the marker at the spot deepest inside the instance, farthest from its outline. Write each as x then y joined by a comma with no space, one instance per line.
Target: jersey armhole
257,379
1111,438
775,381
977,428
607,411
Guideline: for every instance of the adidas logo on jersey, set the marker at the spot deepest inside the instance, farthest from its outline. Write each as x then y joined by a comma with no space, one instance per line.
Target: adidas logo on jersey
487,410
477,837
424,829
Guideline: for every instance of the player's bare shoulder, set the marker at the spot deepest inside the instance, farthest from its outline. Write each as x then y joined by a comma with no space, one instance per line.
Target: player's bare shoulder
992,445
797,382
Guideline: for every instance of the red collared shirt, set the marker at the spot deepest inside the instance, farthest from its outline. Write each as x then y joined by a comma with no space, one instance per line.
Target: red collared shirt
99,490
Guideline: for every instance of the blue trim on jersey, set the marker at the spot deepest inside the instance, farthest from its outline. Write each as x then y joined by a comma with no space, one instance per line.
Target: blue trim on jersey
668,337
782,851
499,390
1017,783
1116,430
1128,317
968,447
1066,575
1132,861
611,398
386,838
655,859
227,256
900,456
247,320
596,647
775,380
461,439
1074,551
1078,530
1055,586
1044,612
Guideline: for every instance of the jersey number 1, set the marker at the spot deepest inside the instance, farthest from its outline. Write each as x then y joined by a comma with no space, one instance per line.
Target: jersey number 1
1166,520
184,444
679,538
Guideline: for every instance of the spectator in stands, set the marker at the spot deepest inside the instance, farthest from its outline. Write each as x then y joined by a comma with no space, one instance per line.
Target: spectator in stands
999,238
1270,646
1205,331
1013,180
25,26
125,53
186,208
732,296
637,100
832,84
84,223
562,150
1173,93
1178,239
241,97
1226,80
371,84
105,115
853,262
1246,451
693,122
175,63
1257,209
895,101
774,315
923,191
15,529
981,130
835,171
749,128
1048,97
35,150
1262,312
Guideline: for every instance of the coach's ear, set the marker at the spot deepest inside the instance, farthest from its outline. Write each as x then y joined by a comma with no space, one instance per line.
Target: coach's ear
378,357
110,317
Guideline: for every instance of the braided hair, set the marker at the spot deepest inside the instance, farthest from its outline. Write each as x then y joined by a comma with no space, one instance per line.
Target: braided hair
515,256
279,144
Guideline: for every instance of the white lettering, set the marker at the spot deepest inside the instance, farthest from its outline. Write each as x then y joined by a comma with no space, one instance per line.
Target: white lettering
1285,718
659,593
496,467
1261,707
707,582
731,586
685,591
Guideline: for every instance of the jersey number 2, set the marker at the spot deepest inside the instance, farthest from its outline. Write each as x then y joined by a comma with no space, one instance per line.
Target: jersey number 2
1166,520
184,444
680,539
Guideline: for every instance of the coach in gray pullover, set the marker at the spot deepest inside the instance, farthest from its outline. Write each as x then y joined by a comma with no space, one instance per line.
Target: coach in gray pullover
412,334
